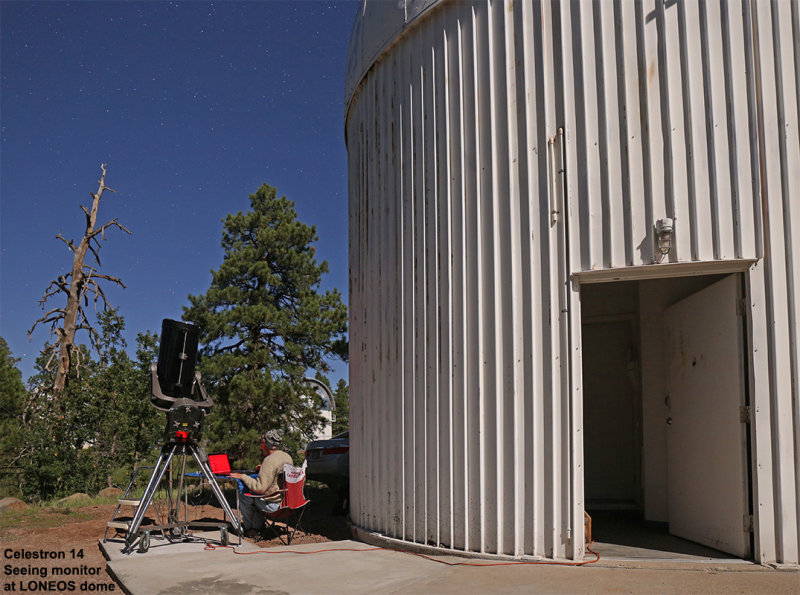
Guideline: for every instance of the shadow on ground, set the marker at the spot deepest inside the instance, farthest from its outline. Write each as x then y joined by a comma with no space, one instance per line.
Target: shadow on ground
323,520
627,534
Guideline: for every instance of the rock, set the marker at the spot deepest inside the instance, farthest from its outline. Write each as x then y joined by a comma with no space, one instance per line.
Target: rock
198,488
11,504
74,500
110,493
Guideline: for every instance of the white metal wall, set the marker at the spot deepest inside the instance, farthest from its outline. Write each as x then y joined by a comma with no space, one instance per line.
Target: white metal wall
465,350
775,283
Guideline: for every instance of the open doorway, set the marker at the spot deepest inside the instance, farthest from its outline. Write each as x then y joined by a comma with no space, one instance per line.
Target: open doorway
666,439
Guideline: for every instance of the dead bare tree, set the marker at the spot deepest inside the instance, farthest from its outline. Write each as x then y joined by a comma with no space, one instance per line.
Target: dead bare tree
80,285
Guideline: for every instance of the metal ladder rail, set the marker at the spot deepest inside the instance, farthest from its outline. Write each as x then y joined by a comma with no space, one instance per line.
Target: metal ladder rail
120,500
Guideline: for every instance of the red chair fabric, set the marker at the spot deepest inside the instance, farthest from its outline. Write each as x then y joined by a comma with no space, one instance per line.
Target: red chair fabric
293,502
294,480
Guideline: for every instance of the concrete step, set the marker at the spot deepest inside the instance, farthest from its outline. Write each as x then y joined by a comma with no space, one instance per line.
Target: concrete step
123,502
118,524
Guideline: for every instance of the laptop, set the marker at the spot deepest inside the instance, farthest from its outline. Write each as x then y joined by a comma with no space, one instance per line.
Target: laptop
220,464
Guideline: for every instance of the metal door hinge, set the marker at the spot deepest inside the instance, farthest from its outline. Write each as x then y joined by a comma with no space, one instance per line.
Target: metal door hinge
744,414
748,523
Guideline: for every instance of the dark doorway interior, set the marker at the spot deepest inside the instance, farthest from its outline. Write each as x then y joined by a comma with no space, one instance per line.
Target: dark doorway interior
630,421
611,406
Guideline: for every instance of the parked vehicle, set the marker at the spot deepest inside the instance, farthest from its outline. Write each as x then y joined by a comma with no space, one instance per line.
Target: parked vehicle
328,461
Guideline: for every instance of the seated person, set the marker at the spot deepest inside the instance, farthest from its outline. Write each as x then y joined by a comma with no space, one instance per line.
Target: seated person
266,483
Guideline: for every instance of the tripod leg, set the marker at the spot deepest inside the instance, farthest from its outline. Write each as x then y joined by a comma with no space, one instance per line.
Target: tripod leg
216,489
168,450
174,505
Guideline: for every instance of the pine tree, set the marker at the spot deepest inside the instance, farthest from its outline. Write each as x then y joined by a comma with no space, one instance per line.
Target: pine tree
264,324
341,397
12,401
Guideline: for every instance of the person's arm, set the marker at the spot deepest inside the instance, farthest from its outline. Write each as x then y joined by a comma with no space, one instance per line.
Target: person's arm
252,484
262,483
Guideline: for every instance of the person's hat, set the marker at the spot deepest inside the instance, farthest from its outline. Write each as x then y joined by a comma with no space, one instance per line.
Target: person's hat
272,438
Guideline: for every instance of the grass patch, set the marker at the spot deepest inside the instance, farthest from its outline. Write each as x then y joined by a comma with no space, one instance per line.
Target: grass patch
50,514
96,501
42,517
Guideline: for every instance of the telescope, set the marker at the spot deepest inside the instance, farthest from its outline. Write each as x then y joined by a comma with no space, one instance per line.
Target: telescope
176,389
177,354
175,386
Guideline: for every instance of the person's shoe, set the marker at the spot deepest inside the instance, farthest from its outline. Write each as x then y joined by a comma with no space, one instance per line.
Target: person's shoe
252,534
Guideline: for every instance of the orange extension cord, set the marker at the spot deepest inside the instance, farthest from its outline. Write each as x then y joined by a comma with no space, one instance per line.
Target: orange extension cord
211,546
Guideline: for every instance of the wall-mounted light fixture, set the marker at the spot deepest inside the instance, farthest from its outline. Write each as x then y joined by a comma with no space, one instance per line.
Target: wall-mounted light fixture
664,231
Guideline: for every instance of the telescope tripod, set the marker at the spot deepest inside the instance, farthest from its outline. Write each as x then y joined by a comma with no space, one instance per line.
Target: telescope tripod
168,452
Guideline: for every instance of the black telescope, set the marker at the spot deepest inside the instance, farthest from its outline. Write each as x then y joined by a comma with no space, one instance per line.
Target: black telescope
174,380
177,355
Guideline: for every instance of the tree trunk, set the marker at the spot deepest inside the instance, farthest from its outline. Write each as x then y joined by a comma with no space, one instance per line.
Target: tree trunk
73,302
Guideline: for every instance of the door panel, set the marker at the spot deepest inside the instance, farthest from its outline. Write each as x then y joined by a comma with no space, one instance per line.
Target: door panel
707,473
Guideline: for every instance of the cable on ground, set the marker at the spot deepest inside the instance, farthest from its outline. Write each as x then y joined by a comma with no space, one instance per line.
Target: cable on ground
211,547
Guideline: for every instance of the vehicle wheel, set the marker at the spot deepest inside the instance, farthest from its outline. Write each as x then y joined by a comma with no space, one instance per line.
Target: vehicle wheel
144,542
223,536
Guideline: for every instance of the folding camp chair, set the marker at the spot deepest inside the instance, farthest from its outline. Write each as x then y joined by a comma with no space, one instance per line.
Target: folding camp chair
293,503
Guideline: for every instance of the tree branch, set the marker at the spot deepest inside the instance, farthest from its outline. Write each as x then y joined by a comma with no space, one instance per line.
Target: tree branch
95,275
53,354
69,243
93,288
231,347
76,355
46,318
29,404
60,286
94,253
88,214
101,230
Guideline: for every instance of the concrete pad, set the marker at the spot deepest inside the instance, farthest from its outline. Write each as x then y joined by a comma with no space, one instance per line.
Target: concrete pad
353,567
112,548
696,554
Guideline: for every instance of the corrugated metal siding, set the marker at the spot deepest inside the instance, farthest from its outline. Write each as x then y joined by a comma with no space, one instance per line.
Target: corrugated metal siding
466,413
777,89
661,125
448,266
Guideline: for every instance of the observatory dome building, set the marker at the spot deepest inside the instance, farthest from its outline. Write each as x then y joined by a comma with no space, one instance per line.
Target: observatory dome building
575,273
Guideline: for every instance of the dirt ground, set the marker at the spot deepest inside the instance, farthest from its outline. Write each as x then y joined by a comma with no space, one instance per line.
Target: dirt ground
71,537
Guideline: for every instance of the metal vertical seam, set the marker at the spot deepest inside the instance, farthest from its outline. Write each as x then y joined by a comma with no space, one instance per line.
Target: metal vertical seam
460,431
515,407
787,126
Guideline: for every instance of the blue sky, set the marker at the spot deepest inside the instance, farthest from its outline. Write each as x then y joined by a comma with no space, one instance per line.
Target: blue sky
192,105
